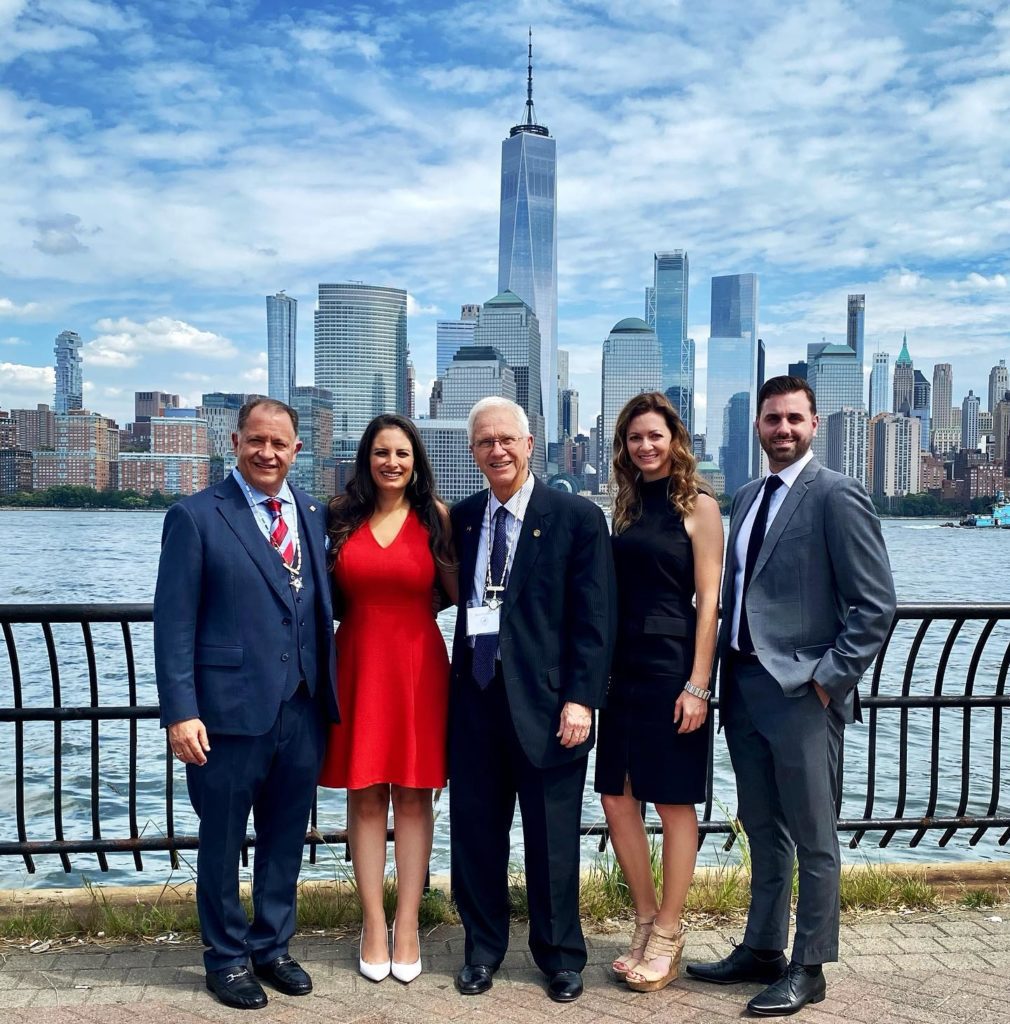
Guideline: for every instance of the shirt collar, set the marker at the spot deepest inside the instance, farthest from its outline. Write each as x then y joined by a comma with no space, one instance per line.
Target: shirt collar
791,473
257,497
519,501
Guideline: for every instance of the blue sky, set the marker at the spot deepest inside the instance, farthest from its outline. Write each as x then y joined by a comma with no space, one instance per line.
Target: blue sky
166,164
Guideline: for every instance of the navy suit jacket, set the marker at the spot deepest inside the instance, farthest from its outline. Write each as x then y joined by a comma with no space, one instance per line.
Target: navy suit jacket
225,631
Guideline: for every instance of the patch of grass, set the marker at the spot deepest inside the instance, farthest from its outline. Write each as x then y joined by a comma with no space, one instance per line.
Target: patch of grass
722,891
519,904
978,899
437,908
878,887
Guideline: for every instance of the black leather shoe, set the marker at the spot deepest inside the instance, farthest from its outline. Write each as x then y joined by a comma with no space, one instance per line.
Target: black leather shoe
237,988
564,986
286,975
741,965
473,979
789,994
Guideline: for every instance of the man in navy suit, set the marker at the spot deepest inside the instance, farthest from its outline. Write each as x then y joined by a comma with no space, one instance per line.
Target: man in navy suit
243,641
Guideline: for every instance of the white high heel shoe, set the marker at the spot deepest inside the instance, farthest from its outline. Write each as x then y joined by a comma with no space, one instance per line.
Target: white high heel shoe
373,972
406,972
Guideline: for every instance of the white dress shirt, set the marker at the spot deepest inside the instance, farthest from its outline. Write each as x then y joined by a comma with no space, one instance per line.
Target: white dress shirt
788,476
515,509
264,520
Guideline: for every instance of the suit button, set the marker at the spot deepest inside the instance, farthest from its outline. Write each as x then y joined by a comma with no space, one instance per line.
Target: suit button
285,622
284,657
301,623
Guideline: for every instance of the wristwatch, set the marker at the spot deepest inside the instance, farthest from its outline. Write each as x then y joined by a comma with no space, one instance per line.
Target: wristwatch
697,691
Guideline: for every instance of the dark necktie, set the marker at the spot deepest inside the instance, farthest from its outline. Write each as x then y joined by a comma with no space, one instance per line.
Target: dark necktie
757,537
485,645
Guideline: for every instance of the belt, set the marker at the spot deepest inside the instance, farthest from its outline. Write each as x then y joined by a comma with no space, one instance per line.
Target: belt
741,658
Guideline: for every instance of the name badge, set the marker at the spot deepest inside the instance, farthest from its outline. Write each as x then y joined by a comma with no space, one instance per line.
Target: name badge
481,620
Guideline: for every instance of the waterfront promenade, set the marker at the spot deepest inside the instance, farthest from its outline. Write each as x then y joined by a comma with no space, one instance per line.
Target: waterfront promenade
933,968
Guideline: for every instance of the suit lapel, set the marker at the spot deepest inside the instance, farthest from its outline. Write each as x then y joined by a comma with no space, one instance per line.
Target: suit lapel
736,522
239,516
791,503
532,539
468,543
310,514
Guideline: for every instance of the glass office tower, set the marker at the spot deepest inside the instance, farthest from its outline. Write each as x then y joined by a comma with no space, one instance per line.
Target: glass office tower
361,356
632,363
666,313
880,384
854,323
282,331
527,236
836,378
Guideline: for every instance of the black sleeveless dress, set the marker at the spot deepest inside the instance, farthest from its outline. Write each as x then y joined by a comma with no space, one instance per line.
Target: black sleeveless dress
653,659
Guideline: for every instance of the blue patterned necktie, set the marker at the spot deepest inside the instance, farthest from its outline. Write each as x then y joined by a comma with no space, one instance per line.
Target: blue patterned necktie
485,645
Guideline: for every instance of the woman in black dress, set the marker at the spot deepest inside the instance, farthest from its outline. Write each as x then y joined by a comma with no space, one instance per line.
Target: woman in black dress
654,733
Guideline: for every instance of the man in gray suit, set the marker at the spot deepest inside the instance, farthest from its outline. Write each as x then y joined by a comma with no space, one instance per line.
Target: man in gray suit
807,601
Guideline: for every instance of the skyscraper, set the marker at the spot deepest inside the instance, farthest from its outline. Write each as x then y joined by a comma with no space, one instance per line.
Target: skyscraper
837,380
282,331
969,421
999,384
847,431
733,328
69,376
880,384
904,381
508,325
360,355
921,392
452,335
895,455
475,372
313,466
527,236
632,363
943,389
666,313
854,326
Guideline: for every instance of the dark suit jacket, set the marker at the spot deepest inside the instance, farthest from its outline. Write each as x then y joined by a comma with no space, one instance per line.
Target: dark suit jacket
821,598
224,616
557,623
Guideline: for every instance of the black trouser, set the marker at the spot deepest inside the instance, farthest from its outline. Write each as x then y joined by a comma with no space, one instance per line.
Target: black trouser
488,771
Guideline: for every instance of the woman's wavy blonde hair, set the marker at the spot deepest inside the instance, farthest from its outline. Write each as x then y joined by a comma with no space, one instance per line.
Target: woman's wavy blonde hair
684,486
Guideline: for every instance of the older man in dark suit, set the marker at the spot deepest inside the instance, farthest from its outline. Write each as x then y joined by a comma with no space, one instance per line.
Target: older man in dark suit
808,599
243,637
531,659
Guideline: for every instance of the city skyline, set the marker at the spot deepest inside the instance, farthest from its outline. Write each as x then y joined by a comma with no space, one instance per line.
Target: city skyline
149,207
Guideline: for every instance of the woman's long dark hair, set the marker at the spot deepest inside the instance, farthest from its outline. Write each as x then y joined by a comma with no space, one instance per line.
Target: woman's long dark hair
353,508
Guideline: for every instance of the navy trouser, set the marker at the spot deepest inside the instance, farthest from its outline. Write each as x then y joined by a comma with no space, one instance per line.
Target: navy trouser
274,776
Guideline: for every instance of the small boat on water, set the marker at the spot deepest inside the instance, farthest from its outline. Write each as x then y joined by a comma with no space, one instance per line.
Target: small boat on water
997,519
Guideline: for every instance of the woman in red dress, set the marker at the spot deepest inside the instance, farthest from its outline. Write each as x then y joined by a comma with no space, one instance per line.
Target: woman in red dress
390,549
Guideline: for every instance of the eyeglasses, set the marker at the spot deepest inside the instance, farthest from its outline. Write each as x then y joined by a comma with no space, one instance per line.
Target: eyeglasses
485,444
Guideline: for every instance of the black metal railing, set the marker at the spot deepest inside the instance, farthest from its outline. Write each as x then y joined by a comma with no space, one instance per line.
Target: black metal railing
929,760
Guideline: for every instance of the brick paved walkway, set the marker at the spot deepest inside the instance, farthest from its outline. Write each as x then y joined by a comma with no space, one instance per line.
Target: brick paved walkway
935,968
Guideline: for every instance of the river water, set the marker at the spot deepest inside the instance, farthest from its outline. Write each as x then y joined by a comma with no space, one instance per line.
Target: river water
85,557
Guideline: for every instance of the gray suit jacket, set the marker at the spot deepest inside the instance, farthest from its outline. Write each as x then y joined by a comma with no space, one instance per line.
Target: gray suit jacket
821,598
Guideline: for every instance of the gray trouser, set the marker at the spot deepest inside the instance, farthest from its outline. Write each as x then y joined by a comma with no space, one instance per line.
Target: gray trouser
785,756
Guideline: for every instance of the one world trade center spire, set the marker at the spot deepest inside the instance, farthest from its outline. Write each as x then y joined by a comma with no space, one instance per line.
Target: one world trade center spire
527,236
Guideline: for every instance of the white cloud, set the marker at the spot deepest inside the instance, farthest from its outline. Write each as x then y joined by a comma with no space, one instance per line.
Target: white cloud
25,385
123,342
415,308
8,307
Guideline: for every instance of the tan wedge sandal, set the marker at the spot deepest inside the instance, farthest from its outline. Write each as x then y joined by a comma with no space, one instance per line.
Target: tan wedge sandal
639,939
661,943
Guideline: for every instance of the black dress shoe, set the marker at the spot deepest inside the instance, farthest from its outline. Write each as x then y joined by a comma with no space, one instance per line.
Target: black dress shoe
237,988
741,965
565,986
790,993
473,979
286,975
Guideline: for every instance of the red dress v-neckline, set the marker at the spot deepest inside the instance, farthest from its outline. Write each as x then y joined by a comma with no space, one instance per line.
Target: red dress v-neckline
399,533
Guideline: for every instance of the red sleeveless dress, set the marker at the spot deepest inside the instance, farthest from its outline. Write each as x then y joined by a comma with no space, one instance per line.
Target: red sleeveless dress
392,666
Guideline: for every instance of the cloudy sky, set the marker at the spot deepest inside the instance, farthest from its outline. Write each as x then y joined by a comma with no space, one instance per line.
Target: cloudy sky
165,164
